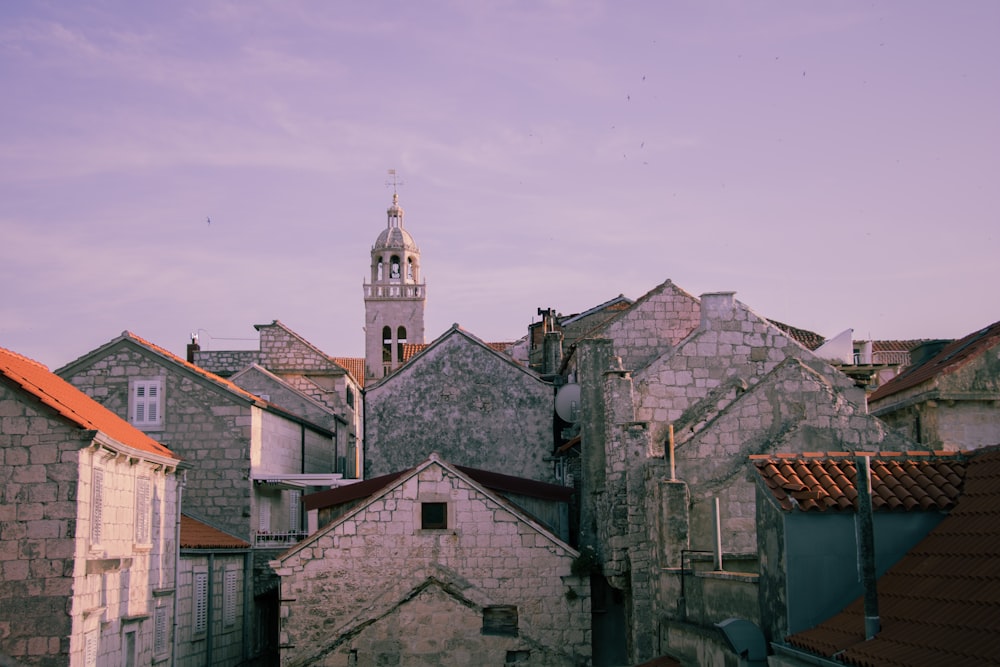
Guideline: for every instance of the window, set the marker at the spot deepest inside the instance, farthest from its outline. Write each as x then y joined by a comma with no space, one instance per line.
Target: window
433,515
142,494
199,621
386,344
394,268
350,397
400,342
500,620
294,510
128,647
146,405
263,514
90,650
230,595
97,507
161,631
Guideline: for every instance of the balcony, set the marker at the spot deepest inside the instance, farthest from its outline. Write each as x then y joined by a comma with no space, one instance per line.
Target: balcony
268,540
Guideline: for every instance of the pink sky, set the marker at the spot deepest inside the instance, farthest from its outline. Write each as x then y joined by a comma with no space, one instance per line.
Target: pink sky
834,164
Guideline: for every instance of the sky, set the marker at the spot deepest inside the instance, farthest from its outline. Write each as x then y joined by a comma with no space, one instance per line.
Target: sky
204,166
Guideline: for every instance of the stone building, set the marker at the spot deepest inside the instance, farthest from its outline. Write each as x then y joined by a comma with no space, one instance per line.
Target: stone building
295,374
949,398
676,394
252,459
476,407
214,589
88,528
394,298
433,569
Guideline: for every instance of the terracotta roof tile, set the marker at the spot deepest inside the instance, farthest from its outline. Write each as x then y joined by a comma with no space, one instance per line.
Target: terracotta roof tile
73,404
808,339
940,603
198,535
353,365
951,357
232,386
828,484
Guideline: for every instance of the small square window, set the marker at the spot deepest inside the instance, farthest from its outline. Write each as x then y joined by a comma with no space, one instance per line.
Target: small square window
433,515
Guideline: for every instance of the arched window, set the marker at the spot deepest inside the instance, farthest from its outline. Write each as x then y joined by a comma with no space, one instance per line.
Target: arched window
386,345
379,272
400,341
409,268
394,268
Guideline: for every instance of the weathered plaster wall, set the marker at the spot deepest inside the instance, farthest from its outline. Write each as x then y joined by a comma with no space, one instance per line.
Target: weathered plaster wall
378,586
471,405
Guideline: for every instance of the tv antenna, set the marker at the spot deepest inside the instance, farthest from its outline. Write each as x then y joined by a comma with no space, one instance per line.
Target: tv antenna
394,182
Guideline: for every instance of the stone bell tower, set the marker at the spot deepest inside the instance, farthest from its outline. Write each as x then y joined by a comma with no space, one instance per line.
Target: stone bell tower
394,297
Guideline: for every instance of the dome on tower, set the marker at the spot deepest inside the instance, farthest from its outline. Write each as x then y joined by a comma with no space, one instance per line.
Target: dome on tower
394,237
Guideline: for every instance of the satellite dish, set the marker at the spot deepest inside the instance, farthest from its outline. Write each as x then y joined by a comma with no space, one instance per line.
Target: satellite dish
568,402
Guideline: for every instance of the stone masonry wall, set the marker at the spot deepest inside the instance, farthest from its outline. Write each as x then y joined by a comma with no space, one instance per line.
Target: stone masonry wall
653,325
469,404
361,589
202,424
38,517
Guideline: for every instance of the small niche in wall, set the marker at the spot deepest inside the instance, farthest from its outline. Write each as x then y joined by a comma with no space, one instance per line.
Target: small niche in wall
500,620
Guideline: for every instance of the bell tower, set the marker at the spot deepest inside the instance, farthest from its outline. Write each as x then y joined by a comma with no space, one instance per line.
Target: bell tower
394,295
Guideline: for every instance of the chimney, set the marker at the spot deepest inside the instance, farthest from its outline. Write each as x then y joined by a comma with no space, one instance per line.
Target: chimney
716,306
192,347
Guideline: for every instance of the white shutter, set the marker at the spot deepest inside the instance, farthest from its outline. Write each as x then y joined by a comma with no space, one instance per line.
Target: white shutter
200,620
263,514
90,650
294,507
160,631
97,507
229,597
142,487
146,397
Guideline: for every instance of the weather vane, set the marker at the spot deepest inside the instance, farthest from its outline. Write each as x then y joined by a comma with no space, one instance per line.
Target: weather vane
394,182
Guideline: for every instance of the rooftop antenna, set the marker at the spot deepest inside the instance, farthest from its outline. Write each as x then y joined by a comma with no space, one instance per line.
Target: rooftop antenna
394,182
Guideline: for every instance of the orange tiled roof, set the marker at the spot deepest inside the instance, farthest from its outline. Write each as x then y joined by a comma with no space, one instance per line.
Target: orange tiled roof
903,481
198,535
353,365
951,357
73,404
808,339
228,384
412,349
940,603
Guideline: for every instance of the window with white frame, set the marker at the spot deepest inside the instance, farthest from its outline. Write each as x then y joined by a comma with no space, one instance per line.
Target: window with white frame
199,608
97,507
230,596
143,487
146,403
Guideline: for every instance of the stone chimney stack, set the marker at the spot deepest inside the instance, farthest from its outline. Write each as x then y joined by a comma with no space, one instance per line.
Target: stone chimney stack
192,347
716,306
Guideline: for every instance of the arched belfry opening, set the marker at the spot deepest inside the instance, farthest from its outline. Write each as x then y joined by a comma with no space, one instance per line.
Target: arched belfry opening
395,294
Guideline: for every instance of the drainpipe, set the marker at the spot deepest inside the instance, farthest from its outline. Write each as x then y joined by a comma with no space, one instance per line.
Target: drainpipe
181,477
866,546
210,634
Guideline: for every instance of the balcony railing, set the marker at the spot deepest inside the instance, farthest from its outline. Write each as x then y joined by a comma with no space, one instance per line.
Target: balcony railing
401,291
278,540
